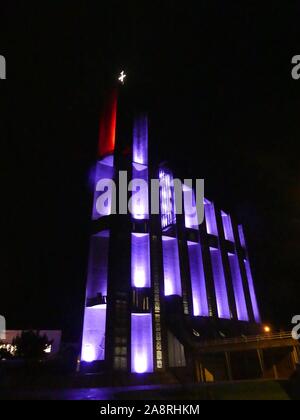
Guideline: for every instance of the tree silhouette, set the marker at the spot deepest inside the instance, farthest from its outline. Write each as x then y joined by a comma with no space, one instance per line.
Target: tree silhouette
31,345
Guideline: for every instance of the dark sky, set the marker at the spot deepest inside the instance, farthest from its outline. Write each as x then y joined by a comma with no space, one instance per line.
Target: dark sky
217,80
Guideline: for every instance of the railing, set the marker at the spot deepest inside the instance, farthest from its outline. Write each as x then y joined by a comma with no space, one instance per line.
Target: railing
248,339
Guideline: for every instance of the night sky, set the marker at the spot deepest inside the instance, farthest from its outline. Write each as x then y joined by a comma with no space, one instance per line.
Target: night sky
216,78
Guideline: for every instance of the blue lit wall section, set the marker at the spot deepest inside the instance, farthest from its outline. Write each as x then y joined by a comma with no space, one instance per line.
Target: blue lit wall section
140,260
93,340
98,265
238,288
139,199
210,218
227,226
104,171
140,140
141,343
172,279
190,209
252,292
200,303
220,284
167,198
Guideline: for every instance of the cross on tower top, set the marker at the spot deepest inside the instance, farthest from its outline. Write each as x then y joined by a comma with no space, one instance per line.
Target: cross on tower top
122,77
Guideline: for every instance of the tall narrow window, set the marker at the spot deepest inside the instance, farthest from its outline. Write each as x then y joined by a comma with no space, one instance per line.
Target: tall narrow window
141,343
238,288
167,198
227,226
176,352
220,284
200,304
252,292
210,218
171,267
140,260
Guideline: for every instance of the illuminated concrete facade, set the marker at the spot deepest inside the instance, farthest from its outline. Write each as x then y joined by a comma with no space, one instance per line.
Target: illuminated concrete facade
145,271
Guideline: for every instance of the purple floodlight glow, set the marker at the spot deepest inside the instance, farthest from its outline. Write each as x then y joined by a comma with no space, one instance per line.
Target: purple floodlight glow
242,236
140,140
88,353
139,199
167,198
238,288
200,303
140,260
93,340
220,284
227,226
190,209
141,343
104,170
210,218
252,292
172,278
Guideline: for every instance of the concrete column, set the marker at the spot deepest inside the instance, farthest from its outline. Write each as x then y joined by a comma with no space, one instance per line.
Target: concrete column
296,354
228,366
294,357
226,266
209,279
275,372
260,355
241,253
198,371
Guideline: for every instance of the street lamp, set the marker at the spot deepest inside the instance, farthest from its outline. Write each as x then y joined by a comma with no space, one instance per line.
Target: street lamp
267,329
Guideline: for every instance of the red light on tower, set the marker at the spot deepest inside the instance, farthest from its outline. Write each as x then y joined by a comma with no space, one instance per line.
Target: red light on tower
107,130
